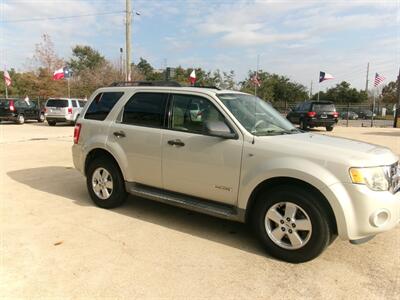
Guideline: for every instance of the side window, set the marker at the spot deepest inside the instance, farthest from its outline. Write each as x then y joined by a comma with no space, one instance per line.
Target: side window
145,109
189,113
82,103
298,107
102,104
74,104
307,106
21,104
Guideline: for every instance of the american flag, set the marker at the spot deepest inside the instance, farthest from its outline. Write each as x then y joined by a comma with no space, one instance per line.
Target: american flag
7,78
378,79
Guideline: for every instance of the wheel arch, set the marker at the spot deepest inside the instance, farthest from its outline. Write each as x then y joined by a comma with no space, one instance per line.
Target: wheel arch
99,152
274,182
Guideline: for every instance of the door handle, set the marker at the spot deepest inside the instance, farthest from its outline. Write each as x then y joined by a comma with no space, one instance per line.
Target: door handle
119,134
176,142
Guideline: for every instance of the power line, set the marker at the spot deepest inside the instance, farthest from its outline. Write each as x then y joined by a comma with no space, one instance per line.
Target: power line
62,17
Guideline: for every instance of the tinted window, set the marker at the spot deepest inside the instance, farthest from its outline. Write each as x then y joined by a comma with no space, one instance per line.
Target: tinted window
102,104
146,109
323,107
82,103
74,104
20,104
57,103
189,113
4,103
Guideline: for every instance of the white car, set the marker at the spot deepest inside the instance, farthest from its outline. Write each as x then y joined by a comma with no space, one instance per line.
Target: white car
239,160
63,110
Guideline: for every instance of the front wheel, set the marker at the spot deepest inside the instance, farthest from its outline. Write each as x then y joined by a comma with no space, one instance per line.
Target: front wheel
329,128
105,183
292,224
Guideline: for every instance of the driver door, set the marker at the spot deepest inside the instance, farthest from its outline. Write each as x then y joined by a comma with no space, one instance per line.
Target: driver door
195,163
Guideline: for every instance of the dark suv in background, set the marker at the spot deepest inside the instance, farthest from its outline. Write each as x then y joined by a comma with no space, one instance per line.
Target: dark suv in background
18,110
311,114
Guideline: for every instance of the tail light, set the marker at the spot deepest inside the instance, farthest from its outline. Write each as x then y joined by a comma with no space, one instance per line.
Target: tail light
311,114
77,132
335,114
12,108
70,110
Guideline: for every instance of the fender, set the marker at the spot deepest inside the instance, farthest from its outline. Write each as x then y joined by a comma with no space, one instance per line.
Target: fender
301,169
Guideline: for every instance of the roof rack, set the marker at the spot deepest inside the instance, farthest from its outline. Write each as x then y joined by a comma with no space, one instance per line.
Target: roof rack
206,87
146,83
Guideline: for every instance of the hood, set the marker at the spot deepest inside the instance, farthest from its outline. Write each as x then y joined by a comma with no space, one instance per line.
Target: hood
329,149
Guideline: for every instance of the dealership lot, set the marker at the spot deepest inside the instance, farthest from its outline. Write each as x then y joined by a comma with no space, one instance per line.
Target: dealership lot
56,243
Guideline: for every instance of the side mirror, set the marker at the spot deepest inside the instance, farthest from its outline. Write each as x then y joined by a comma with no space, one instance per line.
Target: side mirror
219,129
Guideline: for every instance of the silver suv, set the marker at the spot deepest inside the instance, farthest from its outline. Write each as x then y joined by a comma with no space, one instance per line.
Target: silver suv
231,155
59,110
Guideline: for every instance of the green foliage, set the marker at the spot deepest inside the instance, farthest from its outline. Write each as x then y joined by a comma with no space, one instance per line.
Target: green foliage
274,88
389,92
85,57
342,93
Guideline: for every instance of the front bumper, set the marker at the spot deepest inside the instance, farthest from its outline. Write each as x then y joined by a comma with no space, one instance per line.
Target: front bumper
365,212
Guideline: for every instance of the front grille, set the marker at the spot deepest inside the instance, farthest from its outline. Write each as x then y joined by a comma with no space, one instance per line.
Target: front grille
394,177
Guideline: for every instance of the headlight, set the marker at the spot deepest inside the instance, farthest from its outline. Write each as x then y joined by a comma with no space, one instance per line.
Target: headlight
377,178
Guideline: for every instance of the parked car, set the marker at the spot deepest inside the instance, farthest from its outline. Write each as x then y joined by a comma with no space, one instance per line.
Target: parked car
18,111
239,160
366,114
351,115
60,110
311,114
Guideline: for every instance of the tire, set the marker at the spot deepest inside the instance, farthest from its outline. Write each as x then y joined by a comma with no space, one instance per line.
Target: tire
41,118
329,128
309,213
104,168
303,125
51,123
20,119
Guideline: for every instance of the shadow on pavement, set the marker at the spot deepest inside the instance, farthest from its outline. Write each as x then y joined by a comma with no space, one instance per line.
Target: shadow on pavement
397,134
68,183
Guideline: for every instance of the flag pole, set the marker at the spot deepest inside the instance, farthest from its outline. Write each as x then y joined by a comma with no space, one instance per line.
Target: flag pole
69,92
255,85
6,90
373,109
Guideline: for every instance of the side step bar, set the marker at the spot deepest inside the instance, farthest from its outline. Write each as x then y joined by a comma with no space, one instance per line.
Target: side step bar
189,202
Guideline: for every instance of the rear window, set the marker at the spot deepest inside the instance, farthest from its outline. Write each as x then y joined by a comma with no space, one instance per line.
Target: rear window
324,107
101,105
4,103
82,103
57,103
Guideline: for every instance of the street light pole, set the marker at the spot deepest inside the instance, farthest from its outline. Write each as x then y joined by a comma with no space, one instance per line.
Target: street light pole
128,39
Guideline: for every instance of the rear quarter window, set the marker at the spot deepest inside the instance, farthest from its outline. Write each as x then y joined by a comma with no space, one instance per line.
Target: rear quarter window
101,105
57,103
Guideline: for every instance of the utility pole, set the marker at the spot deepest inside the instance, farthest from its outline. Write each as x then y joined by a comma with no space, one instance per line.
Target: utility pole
256,80
128,21
397,113
366,81
311,89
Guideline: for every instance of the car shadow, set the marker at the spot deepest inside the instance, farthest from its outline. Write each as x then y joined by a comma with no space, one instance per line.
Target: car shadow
397,134
58,180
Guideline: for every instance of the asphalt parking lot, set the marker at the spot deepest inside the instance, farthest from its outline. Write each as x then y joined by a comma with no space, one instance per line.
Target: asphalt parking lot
55,243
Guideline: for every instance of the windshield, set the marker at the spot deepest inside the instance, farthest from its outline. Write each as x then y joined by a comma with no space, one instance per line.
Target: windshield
256,115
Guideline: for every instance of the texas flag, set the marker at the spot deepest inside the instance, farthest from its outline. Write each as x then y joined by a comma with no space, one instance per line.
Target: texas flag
324,76
192,77
62,73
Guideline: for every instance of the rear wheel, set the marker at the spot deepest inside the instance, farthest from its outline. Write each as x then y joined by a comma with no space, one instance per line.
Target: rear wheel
51,123
329,128
105,183
20,119
303,125
292,224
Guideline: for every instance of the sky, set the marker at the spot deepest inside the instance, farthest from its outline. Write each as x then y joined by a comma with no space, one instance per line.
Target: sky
292,38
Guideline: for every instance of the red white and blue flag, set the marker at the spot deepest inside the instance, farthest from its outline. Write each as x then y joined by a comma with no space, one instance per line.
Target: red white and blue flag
256,80
192,77
325,76
7,78
62,73
378,79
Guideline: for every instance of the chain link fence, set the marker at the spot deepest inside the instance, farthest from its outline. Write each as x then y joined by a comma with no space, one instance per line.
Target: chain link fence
353,114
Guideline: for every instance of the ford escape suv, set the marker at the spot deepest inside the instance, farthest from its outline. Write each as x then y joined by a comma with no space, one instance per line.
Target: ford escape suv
231,155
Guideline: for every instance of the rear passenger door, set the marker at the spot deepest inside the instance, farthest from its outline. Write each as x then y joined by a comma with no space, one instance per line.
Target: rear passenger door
136,137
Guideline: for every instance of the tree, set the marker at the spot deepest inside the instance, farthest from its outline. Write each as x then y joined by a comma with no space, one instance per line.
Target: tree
85,57
342,93
389,92
45,55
